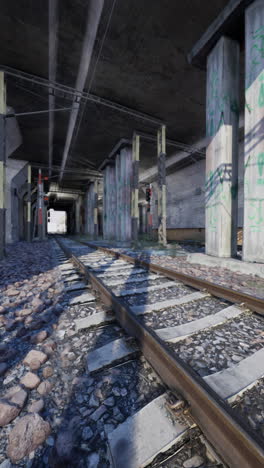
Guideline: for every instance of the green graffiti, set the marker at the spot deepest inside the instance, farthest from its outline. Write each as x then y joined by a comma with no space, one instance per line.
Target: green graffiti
260,182
256,54
212,218
259,35
257,214
261,96
260,160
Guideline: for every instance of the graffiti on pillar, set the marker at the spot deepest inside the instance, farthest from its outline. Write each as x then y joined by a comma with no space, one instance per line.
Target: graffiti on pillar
217,104
254,192
256,60
256,215
261,92
260,162
218,182
212,218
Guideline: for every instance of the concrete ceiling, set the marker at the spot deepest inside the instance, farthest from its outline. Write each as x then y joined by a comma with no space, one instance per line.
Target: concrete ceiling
143,65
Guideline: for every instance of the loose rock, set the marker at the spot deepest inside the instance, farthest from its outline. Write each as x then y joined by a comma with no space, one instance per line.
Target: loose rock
45,387
30,380
36,406
47,372
35,355
28,433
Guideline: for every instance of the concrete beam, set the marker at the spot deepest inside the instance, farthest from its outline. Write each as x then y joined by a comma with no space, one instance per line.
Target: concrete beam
53,48
93,20
117,148
230,22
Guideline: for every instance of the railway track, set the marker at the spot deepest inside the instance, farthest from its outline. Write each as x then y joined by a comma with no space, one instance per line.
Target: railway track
177,321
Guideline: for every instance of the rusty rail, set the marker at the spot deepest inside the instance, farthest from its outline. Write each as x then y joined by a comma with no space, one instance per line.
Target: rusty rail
232,439
253,303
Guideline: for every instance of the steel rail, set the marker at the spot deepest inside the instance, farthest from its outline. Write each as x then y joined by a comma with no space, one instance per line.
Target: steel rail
253,303
232,439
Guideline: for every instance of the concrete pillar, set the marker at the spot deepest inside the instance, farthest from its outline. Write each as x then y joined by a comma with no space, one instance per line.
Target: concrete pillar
95,208
161,140
87,212
77,216
15,183
105,203
109,202
124,188
253,233
143,215
28,223
91,210
222,115
41,226
2,162
134,192
118,196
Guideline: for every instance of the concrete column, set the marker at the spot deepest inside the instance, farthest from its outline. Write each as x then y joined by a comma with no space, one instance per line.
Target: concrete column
87,212
28,229
105,203
95,208
2,162
150,211
118,196
124,187
161,140
91,210
143,218
109,202
41,227
253,233
77,216
222,115
134,192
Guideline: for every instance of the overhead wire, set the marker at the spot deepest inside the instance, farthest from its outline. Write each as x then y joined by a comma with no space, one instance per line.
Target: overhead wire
93,74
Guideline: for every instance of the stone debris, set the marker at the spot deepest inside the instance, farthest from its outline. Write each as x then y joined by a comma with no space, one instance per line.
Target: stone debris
34,356
28,433
219,348
250,406
11,404
47,372
8,412
36,406
30,380
45,387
